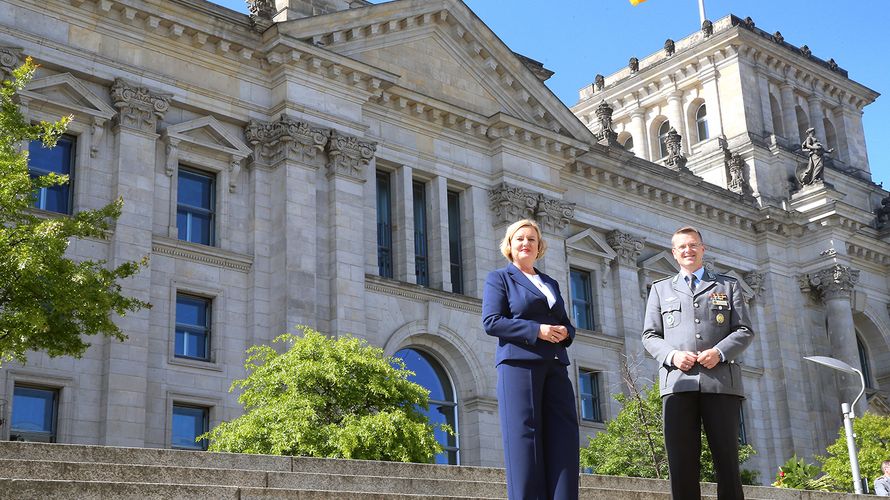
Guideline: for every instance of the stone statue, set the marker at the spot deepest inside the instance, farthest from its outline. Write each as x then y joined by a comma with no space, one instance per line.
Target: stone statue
816,165
633,64
675,159
882,213
805,51
777,36
707,27
669,47
607,134
599,81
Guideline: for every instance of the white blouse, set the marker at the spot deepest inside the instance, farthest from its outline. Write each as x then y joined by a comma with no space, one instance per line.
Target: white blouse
538,282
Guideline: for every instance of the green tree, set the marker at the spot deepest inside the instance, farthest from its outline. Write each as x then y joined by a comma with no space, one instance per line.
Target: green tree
872,436
327,397
633,442
48,302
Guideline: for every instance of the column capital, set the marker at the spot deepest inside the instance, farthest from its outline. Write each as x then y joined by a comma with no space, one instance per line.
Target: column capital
510,203
139,108
347,156
284,139
833,282
627,246
10,59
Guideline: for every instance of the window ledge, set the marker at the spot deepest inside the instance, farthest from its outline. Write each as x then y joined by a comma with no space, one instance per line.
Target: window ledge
451,300
195,363
587,424
599,339
201,253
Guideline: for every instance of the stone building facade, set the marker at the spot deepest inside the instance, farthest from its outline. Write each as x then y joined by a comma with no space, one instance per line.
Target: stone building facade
352,167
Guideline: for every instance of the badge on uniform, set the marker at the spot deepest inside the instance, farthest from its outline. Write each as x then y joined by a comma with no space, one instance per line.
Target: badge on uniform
720,318
670,319
719,300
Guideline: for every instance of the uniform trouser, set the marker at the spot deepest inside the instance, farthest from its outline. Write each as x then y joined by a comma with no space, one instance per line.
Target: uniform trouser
684,415
539,425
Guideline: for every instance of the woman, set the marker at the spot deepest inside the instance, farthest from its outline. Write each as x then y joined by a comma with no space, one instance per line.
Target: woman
523,308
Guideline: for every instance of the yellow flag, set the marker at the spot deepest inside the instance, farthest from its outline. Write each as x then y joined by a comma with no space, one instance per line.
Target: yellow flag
636,2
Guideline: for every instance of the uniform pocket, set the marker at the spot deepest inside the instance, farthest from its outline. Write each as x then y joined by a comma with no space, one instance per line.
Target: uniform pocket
670,315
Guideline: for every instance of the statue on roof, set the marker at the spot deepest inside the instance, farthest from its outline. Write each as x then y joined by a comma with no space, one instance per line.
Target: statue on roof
816,164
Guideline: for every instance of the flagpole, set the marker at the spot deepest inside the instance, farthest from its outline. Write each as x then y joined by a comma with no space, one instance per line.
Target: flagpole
701,10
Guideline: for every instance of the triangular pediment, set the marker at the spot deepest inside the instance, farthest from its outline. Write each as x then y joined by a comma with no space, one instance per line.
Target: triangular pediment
589,245
67,92
209,133
441,50
747,291
661,265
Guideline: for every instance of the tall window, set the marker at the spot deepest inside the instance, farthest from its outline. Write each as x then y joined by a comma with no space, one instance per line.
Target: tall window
421,250
863,362
58,160
384,224
34,414
582,304
457,279
192,327
189,422
701,122
589,392
196,206
629,144
662,136
443,405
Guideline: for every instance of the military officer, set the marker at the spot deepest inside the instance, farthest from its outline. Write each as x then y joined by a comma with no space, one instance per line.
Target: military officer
696,326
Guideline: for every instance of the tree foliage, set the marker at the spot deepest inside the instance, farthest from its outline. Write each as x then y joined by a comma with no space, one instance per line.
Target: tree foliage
48,302
872,436
327,397
633,442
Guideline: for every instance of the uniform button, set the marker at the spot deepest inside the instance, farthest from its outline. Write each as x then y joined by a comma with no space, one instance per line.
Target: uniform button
697,320
697,336
695,305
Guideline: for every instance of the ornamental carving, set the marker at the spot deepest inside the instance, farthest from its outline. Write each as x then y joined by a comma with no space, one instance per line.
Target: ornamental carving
139,108
627,246
777,36
606,135
633,64
599,81
669,47
10,59
832,65
707,27
805,51
348,156
882,214
511,203
675,159
833,282
261,13
736,169
755,281
285,138
749,23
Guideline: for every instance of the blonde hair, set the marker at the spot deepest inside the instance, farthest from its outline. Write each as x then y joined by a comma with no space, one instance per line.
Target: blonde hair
516,226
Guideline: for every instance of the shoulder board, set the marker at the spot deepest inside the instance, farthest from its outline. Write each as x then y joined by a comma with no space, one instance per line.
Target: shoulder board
726,277
661,279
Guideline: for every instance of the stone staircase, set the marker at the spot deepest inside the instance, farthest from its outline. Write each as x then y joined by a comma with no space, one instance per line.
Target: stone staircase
60,471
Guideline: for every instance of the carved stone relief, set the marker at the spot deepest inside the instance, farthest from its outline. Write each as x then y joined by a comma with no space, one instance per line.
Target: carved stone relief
832,282
10,59
675,159
626,246
347,156
139,108
285,138
511,203
606,135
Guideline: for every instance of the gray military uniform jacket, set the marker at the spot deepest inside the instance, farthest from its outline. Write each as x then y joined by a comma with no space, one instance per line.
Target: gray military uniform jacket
882,486
714,316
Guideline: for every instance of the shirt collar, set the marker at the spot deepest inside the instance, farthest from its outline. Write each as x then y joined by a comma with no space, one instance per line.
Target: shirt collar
698,274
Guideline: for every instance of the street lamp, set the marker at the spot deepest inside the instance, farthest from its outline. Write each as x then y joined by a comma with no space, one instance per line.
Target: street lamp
847,410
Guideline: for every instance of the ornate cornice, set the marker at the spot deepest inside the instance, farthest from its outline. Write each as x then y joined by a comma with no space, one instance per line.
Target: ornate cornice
201,254
285,139
10,59
139,108
510,203
869,254
374,283
832,282
347,156
627,246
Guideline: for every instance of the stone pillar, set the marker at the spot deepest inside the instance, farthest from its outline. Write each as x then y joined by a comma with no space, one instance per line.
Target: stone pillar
712,101
125,391
675,116
403,225
440,254
347,159
789,116
286,160
628,302
638,132
835,286
479,241
816,115
851,120
765,108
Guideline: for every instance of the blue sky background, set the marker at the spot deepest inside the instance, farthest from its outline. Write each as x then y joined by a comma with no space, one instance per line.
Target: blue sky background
580,38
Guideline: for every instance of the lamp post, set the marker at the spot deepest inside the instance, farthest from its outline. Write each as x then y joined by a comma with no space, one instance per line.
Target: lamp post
847,410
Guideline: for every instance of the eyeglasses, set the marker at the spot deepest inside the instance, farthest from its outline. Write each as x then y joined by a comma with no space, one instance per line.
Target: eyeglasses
691,246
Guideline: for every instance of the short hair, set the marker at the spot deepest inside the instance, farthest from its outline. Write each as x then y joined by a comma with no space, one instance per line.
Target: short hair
516,226
687,230
885,465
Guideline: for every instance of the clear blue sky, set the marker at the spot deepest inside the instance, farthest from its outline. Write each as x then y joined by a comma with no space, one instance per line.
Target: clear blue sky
580,38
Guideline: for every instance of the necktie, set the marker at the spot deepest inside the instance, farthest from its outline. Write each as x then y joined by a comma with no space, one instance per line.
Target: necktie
693,282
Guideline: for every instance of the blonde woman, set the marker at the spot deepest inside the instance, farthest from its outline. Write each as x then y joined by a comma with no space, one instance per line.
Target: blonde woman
523,308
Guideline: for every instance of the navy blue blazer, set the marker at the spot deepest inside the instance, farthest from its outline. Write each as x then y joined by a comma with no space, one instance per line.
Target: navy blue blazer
513,310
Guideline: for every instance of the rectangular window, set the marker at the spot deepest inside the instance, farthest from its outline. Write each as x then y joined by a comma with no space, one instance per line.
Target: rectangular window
421,251
34,414
589,392
192,327
196,206
457,279
58,160
582,303
189,422
384,224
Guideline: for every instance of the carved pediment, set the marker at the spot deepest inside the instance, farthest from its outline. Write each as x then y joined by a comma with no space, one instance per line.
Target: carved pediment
209,133
747,291
660,265
589,245
65,92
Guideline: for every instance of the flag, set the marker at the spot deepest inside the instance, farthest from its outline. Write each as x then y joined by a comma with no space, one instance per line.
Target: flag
636,2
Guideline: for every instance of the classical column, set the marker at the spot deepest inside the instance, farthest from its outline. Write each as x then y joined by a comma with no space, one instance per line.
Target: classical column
286,157
789,115
439,250
816,115
638,132
347,159
628,302
765,108
675,116
712,101
851,122
835,286
125,384
403,224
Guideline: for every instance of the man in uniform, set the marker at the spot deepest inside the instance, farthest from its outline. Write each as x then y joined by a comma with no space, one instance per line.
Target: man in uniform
882,484
696,326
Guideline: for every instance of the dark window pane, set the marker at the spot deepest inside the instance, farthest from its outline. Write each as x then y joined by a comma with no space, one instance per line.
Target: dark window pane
194,189
33,410
60,160
864,362
196,206
188,423
662,135
457,280
589,393
192,327
421,254
582,303
384,225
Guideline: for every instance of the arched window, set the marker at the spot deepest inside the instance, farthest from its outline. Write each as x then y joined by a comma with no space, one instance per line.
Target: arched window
701,122
443,405
776,111
629,144
863,362
662,135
